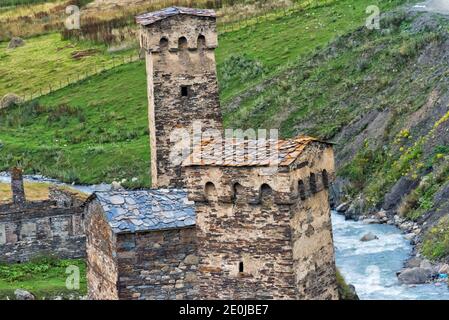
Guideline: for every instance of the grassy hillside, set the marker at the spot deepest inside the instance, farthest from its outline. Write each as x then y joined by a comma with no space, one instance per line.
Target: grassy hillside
48,61
96,130
90,132
259,51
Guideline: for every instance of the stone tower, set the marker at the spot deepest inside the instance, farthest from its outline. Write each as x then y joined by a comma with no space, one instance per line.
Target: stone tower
182,85
264,232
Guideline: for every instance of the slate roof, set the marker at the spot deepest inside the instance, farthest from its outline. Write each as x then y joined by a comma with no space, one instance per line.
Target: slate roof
152,17
241,153
147,210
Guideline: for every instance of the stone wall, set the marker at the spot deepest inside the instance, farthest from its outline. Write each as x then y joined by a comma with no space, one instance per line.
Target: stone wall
182,89
40,228
264,234
157,265
102,273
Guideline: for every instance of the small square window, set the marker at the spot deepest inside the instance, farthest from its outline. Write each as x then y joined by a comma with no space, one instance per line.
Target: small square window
184,91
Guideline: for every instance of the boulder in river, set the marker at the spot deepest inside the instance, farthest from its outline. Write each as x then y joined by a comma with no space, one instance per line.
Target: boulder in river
370,221
342,207
413,262
415,275
369,237
444,269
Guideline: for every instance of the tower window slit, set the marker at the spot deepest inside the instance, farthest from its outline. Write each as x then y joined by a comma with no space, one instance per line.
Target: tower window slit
240,266
184,91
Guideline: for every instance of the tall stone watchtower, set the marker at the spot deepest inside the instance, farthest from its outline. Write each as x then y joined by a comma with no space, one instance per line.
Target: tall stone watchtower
182,84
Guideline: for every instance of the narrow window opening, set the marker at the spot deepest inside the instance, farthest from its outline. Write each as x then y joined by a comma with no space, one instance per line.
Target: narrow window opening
82,216
325,179
313,188
201,44
301,190
240,266
163,43
237,191
182,43
184,91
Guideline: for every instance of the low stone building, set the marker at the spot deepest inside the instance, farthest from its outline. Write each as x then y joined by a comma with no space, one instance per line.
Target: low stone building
53,227
141,245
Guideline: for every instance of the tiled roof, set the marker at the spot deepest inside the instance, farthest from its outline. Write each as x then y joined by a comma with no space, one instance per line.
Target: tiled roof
147,210
152,17
243,153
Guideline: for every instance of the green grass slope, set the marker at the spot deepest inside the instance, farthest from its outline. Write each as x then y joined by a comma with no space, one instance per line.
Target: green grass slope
95,131
44,277
91,132
47,61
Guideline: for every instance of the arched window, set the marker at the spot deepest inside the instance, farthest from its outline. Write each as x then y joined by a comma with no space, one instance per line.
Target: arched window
210,191
312,181
163,43
265,192
201,43
301,190
237,191
182,43
325,179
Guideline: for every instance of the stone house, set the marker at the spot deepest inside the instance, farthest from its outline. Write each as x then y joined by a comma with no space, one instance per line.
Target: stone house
222,226
141,245
29,229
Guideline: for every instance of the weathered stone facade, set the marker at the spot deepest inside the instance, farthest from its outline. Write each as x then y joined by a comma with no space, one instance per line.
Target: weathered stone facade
264,234
182,85
39,228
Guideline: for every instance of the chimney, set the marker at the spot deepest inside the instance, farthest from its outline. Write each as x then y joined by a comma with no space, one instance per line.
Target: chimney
18,191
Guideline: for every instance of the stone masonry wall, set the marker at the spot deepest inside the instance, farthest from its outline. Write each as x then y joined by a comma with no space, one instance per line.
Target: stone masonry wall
274,227
182,89
248,232
38,229
313,249
157,265
102,273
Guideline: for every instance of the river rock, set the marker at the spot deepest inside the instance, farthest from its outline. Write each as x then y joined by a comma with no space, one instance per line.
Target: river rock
23,295
370,221
413,262
343,207
409,236
381,215
356,209
425,264
444,269
369,237
415,276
